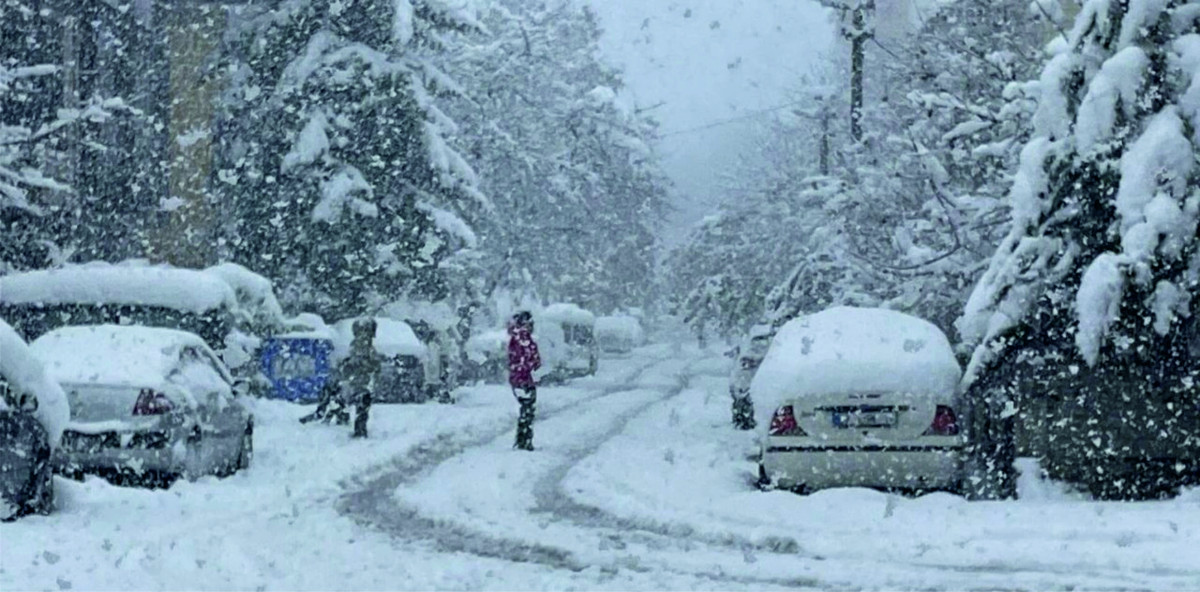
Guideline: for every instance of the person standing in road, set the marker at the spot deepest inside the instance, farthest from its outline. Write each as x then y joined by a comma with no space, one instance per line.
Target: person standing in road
360,373
523,360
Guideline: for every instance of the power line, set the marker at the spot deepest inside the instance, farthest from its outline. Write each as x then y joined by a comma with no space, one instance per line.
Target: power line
722,122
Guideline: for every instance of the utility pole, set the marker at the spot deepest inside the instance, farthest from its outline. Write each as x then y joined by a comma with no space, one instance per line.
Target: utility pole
854,18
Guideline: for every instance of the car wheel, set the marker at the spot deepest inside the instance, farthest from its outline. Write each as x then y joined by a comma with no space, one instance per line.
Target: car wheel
246,453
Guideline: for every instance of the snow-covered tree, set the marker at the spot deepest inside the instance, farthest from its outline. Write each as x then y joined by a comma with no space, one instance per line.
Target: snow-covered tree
577,187
35,135
337,175
1087,310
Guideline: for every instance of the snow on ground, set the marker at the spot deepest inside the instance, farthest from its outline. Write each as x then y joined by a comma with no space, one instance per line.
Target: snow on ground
693,477
638,482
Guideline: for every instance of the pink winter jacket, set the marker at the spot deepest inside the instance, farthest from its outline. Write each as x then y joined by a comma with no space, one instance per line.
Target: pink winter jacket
523,357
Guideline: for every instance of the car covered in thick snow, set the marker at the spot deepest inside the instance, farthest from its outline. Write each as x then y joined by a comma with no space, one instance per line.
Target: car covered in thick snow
619,333
409,373
33,412
486,357
746,359
146,402
227,305
565,334
859,397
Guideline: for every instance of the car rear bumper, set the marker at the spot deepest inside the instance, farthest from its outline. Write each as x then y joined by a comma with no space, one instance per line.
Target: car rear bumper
122,460
901,466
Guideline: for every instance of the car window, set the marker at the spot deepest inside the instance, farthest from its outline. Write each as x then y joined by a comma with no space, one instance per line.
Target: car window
197,373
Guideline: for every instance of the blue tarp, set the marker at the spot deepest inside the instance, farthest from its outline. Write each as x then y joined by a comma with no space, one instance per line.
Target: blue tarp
297,367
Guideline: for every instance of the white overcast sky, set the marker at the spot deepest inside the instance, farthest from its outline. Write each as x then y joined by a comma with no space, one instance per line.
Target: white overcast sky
723,59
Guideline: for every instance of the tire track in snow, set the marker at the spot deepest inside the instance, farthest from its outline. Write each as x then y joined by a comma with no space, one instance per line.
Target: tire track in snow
370,500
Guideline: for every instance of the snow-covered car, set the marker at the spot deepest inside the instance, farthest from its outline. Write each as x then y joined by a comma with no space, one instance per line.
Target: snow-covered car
859,397
408,374
565,334
33,412
146,402
619,333
487,357
746,359
227,305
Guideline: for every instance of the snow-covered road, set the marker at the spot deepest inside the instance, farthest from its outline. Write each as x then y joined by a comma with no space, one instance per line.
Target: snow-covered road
637,482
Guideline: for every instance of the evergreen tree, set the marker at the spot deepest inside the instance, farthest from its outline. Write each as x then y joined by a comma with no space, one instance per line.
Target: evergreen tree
1084,321
338,177
578,192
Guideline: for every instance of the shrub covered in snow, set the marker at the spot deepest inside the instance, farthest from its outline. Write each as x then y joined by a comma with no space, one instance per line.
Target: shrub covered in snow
1088,307
25,375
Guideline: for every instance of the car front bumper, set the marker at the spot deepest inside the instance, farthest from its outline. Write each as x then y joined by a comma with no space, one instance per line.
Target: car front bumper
886,466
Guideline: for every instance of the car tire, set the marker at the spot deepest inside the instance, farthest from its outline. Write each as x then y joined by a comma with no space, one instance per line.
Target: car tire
246,452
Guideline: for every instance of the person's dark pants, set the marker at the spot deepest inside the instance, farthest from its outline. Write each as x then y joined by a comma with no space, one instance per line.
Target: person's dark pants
361,413
527,397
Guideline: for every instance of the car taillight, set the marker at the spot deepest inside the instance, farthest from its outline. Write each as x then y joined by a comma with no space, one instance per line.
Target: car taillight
783,423
944,422
152,403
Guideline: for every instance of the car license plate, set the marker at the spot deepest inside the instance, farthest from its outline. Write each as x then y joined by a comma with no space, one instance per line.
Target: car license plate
864,419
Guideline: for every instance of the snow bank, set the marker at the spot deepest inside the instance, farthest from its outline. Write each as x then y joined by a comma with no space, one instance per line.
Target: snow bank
128,283
25,373
567,313
112,354
846,349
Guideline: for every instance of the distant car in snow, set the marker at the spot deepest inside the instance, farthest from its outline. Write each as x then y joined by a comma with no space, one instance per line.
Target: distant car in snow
487,357
565,334
859,397
146,402
409,373
619,333
33,411
746,359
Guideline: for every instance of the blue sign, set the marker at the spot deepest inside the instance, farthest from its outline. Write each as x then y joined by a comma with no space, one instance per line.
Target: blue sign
297,367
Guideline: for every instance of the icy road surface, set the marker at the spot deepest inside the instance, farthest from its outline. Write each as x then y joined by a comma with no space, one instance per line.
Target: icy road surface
638,482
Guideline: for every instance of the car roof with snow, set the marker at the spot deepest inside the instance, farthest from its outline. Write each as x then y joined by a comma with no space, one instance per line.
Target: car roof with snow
856,350
392,338
113,354
563,312
139,285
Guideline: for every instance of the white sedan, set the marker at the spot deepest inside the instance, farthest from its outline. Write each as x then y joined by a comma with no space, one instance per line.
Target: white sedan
860,397
146,402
